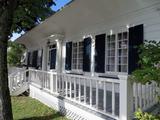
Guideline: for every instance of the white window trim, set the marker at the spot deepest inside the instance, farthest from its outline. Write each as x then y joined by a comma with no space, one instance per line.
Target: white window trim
79,71
48,61
116,53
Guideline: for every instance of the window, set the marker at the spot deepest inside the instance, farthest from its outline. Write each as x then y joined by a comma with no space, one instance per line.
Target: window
77,56
122,51
111,42
117,52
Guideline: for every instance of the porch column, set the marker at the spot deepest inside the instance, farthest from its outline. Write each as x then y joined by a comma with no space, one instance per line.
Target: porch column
63,56
59,56
92,56
44,60
126,98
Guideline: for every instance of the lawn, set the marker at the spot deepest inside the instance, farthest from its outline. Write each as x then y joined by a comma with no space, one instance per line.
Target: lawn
26,108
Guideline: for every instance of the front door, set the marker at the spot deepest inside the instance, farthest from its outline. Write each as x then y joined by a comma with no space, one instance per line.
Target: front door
53,59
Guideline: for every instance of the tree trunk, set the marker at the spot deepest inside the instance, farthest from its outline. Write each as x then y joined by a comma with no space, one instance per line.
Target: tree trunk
6,20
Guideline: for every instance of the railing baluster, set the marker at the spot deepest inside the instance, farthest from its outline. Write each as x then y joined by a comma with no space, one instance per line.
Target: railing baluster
104,96
113,99
71,87
59,80
75,88
90,92
79,90
97,94
66,86
62,79
84,91
51,83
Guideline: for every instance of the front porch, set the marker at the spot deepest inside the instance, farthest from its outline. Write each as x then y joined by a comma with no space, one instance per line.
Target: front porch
79,96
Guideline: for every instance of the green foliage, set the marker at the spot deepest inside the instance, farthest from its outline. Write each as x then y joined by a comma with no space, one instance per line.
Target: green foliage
145,116
29,13
15,52
150,63
148,72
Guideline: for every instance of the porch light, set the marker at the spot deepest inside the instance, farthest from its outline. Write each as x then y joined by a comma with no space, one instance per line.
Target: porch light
56,40
111,32
127,26
51,35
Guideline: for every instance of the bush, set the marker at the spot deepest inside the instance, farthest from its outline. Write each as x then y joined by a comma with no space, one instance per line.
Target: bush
145,116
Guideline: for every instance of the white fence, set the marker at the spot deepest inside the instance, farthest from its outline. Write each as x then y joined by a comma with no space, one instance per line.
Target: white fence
116,98
145,96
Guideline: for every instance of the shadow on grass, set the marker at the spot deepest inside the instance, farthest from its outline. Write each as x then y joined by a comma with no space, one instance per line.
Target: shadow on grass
48,117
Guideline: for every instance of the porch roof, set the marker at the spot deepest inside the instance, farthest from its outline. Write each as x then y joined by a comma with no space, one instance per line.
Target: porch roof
81,15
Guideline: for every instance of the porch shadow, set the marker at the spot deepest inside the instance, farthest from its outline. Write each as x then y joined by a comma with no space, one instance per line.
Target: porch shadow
47,117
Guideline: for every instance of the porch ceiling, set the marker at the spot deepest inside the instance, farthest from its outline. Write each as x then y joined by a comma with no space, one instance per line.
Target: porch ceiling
82,14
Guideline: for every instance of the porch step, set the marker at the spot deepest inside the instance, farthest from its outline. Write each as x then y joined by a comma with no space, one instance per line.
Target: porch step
20,90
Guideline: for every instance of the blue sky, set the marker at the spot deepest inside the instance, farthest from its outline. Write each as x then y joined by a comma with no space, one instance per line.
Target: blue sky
59,4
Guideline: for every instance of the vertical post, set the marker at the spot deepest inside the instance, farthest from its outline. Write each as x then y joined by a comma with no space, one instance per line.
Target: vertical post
66,86
104,96
144,95
97,94
113,99
75,88
51,82
126,98
56,78
92,56
62,79
44,59
90,92
136,96
84,91
79,90
140,95
70,87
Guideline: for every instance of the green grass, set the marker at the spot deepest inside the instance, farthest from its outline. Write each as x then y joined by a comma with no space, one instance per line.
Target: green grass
26,108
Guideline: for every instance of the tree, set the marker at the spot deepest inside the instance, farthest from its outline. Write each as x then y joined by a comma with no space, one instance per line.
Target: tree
149,62
15,52
16,16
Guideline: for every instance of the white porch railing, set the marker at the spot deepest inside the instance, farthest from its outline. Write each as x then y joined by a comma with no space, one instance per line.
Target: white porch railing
99,94
115,98
18,82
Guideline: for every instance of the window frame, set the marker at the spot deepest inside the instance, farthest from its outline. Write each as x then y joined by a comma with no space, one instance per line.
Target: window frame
49,56
77,70
116,32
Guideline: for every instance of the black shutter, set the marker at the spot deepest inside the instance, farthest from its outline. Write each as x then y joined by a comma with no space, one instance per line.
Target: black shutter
136,38
100,53
34,57
28,59
39,59
87,54
68,61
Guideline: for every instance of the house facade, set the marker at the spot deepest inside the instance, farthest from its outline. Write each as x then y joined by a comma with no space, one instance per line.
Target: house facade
80,58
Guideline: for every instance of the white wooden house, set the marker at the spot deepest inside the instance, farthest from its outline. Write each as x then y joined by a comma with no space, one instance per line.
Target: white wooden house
80,58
